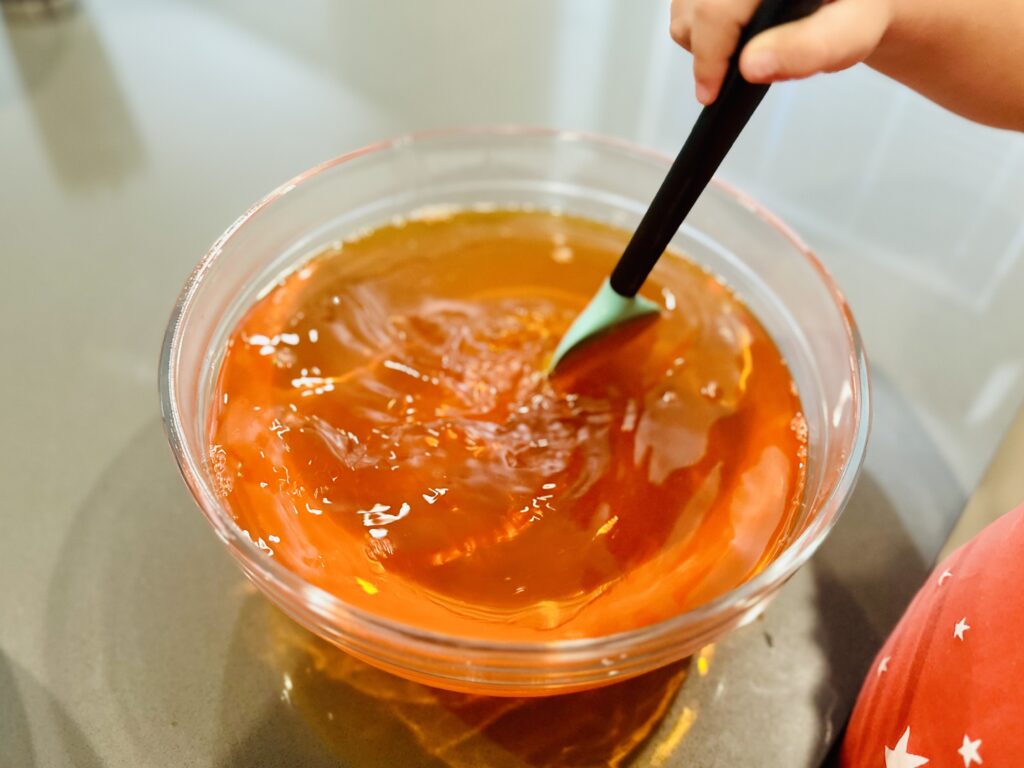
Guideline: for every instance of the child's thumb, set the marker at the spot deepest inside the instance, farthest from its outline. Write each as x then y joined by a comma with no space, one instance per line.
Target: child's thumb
835,37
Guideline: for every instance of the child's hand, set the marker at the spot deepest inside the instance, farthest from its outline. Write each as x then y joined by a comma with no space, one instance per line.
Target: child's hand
963,54
836,36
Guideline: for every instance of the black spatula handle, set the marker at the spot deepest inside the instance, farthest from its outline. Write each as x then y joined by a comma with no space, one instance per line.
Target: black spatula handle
711,138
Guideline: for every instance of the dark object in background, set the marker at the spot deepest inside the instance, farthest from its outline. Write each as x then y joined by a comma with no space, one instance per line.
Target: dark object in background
33,9
62,63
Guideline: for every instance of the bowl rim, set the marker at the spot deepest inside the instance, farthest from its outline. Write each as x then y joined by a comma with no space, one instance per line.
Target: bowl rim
331,608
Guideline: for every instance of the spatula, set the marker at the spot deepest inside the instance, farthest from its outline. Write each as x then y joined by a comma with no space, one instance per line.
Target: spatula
717,127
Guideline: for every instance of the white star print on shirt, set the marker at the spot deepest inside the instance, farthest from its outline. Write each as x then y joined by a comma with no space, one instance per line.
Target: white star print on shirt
945,575
961,627
969,751
898,757
883,665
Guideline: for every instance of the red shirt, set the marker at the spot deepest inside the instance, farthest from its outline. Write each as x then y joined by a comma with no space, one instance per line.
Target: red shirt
947,688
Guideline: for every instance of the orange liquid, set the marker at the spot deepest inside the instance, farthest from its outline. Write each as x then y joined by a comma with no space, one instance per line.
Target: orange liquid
382,426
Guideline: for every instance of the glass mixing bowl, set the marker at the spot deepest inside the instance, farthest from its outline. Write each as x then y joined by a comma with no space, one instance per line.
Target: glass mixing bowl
607,180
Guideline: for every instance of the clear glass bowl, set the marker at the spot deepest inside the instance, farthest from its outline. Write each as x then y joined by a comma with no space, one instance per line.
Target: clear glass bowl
612,181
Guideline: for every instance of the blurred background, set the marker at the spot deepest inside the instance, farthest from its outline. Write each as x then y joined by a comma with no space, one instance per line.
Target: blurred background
133,132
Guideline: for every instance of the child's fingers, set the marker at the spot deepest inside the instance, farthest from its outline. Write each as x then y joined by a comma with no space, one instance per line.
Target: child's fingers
716,30
680,22
835,37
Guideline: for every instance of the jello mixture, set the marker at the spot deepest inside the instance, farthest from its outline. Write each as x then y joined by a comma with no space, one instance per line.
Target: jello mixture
384,427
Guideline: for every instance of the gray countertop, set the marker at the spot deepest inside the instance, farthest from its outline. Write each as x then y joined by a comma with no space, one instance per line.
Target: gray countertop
133,133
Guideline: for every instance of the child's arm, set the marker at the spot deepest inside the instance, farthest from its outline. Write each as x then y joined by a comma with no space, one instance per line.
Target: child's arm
967,55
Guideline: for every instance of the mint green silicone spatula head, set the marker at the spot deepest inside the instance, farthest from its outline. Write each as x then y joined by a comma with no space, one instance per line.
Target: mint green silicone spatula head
608,309
712,136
